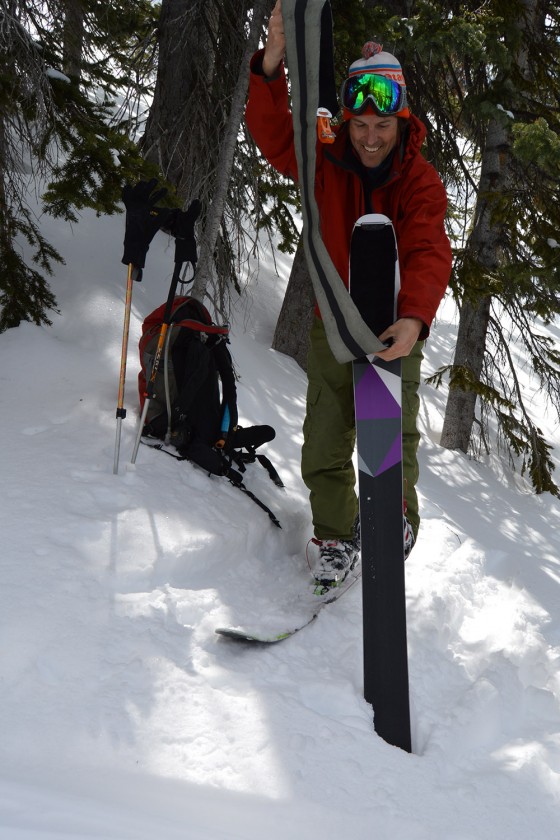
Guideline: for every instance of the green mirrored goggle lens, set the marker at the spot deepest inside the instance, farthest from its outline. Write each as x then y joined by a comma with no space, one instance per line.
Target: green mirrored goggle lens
387,95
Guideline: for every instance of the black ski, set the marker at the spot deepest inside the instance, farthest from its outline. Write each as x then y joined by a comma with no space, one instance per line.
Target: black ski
374,287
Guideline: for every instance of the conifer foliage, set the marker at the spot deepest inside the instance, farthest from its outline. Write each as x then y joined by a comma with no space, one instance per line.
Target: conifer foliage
62,63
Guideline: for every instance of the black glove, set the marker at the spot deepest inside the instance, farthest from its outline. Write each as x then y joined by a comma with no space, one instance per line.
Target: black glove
143,219
181,226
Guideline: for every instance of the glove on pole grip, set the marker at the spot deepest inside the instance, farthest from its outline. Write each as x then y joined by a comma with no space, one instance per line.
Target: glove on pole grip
181,226
143,220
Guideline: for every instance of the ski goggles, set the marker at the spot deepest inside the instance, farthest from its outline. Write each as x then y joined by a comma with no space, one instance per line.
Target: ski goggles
386,95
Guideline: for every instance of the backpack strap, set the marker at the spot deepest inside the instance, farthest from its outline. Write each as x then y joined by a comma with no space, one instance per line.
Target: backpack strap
242,458
228,472
237,482
250,439
272,472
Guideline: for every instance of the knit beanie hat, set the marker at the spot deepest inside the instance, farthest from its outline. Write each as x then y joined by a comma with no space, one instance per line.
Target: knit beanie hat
375,60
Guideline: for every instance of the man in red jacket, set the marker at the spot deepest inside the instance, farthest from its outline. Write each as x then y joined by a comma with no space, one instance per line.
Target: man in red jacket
374,166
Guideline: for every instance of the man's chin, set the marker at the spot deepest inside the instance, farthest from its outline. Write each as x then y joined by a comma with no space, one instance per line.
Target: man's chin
372,159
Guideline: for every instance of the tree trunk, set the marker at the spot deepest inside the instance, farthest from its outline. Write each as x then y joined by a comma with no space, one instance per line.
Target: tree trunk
228,142
483,254
193,128
73,35
175,138
292,330
469,352
484,250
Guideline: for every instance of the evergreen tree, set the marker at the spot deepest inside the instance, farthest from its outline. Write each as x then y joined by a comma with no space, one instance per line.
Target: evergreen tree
61,64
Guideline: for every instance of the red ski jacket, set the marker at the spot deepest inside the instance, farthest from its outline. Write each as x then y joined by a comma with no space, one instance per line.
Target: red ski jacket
412,196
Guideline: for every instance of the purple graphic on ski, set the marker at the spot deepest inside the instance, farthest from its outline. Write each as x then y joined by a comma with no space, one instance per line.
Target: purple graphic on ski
373,399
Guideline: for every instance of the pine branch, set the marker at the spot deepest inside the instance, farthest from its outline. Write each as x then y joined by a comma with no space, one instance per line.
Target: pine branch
526,437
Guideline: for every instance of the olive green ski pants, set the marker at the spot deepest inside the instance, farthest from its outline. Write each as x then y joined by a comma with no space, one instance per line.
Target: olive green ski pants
329,437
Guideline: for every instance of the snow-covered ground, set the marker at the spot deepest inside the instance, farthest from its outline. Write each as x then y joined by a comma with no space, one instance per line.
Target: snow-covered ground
124,716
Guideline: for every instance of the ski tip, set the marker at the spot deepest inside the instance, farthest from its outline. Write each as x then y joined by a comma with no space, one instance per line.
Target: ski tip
246,636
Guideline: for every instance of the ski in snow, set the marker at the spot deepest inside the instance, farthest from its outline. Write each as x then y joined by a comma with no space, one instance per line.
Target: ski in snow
374,285
303,614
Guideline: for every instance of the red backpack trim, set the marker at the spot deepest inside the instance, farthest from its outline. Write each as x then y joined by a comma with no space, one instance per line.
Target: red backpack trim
152,325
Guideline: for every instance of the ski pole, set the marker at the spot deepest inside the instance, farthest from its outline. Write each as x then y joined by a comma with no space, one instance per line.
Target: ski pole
121,411
150,385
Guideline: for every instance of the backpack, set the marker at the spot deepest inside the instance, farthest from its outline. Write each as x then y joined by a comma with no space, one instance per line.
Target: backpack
193,398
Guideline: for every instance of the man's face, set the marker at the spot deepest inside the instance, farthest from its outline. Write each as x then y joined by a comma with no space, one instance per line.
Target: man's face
373,137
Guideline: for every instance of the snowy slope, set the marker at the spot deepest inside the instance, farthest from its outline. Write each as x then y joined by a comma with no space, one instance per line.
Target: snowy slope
123,715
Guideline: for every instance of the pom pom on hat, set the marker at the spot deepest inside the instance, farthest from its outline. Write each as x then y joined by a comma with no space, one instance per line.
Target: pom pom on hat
375,60
370,48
